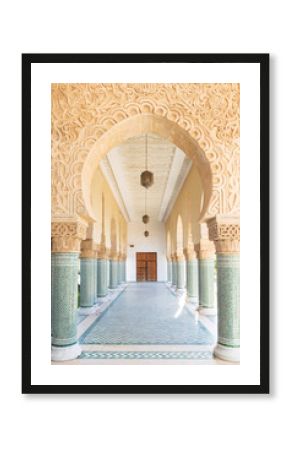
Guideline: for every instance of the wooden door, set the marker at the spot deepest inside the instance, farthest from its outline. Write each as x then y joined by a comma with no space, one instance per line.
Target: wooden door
146,266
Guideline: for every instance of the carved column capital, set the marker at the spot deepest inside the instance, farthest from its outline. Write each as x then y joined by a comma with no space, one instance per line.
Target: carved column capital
173,257
88,249
102,252
67,235
180,256
205,249
113,255
121,256
190,253
224,231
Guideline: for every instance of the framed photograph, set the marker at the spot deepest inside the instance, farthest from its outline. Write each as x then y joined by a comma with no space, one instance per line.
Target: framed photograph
145,246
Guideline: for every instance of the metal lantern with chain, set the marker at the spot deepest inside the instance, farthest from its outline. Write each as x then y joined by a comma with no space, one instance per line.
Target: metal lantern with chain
146,218
146,177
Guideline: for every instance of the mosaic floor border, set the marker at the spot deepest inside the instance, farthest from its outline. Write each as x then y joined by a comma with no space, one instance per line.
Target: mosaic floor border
195,355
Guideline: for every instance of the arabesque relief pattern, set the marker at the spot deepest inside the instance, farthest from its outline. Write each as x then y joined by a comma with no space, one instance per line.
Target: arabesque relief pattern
67,236
225,232
82,113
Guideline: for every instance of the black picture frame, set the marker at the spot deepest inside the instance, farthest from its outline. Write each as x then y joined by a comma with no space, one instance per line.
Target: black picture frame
263,61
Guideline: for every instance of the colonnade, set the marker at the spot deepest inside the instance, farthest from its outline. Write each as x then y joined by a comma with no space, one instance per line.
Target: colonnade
193,273
101,272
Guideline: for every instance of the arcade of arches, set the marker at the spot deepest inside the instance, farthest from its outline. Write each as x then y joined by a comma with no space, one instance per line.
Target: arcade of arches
99,135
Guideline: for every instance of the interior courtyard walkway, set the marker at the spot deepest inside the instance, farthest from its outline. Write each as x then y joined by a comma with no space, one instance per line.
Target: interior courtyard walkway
146,323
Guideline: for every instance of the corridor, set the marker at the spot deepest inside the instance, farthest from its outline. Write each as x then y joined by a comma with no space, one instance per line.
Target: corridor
147,322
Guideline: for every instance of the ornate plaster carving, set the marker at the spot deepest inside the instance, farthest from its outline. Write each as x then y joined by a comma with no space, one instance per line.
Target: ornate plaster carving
102,251
190,253
113,255
205,249
83,113
225,232
67,235
88,249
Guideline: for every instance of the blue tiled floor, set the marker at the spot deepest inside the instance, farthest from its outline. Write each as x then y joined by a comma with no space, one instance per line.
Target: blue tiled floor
212,318
80,318
145,314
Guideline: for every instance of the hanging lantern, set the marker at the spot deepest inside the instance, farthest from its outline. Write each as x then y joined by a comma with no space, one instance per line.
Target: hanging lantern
146,233
146,177
145,218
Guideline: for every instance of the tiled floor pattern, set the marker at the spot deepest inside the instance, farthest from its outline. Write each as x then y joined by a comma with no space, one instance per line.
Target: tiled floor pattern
140,303
213,319
80,319
146,355
147,313
85,321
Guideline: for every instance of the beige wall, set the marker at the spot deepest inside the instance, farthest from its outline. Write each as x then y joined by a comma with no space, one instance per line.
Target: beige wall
182,226
114,226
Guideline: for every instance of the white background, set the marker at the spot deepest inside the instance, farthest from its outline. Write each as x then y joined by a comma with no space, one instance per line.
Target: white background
155,242
143,422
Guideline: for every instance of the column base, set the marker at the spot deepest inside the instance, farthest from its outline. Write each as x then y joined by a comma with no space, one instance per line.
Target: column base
227,353
87,310
193,301
180,291
65,353
208,311
104,298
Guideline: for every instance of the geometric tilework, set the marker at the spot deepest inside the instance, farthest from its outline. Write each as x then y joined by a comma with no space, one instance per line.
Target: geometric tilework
64,275
212,318
147,313
196,355
80,318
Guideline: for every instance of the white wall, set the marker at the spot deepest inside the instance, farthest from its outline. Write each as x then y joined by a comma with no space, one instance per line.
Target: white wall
155,242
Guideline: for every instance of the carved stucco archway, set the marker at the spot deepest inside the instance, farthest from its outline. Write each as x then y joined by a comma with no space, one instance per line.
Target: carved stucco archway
89,119
142,124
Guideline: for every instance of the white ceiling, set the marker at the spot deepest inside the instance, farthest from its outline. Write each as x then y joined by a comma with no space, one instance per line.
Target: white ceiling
122,168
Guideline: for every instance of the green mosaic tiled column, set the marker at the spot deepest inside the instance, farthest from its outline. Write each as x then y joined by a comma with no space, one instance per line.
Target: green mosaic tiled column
124,278
108,273
119,272
66,238
225,232
64,293
102,283
113,274
169,271
96,279
206,285
180,268
228,267
174,273
192,280
88,285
